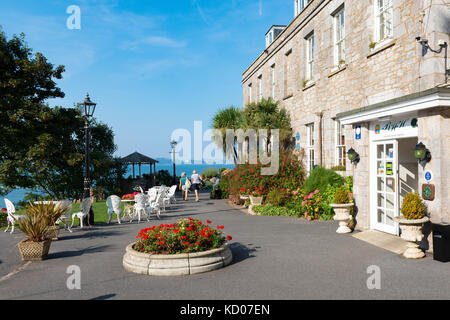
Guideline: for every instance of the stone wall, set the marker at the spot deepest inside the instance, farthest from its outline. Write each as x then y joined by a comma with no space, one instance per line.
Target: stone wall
392,69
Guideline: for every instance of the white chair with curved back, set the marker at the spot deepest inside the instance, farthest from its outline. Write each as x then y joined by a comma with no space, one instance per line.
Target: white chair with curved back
12,217
170,196
113,204
66,216
140,207
85,208
155,206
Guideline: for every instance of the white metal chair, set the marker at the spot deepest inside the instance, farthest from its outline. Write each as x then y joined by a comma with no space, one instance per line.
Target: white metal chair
170,196
140,207
65,217
155,206
85,208
113,203
12,217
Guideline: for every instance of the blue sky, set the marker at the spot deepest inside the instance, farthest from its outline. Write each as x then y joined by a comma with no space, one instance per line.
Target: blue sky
152,66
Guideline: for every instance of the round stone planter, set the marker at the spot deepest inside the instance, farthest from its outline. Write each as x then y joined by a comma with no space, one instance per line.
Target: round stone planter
412,232
34,251
176,264
342,214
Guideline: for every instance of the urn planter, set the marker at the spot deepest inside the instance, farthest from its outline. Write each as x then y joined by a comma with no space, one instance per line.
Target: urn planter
34,251
256,201
412,232
176,264
342,214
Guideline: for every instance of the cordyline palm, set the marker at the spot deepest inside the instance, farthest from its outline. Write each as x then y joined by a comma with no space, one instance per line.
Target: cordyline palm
228,118
266,114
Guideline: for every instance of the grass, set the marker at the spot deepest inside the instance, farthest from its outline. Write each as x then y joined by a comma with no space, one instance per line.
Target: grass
100,213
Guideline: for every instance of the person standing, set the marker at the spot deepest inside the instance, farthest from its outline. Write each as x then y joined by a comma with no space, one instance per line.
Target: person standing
183,186
196,180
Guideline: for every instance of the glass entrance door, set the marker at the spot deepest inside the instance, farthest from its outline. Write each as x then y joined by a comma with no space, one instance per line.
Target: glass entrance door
386,198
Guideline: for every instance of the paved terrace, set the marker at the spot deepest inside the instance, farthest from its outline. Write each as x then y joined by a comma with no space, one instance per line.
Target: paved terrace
273,258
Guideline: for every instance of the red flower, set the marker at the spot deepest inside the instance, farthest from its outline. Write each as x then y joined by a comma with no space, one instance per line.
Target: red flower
4,210
229,238
160,243
207,221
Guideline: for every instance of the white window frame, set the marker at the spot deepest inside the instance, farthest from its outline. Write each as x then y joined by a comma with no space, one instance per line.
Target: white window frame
339,36
386,9
340,151
310,56
260,88
310,154
299,5
274,81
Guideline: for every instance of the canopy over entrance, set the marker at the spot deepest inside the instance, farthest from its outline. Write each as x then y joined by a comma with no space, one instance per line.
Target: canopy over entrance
139,159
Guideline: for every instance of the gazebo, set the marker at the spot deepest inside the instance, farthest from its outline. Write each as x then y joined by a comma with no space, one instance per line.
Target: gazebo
139,159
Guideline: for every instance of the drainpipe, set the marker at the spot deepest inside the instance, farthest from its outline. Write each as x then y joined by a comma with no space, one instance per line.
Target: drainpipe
320,115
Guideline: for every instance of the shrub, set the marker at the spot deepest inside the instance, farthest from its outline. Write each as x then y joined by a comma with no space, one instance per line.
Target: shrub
338,168
413,206
221,170
3,218
185,236
313,205
320,178
276,197
341,196
271,210
209,173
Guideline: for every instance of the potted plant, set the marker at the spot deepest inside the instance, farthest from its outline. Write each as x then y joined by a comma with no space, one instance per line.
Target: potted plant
188,246
411,222
37,245
256,196
342,206
50,212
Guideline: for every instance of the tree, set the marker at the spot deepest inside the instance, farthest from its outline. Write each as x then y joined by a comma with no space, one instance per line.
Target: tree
42,148
228,118
264,114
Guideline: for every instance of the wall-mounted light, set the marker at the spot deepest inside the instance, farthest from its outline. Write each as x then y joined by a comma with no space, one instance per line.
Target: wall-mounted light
353,156
421,153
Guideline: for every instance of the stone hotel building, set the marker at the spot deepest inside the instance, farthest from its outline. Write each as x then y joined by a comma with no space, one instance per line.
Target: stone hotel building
366,75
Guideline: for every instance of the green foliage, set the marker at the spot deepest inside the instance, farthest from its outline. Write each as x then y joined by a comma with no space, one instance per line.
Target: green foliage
246,177
320,178
341,196
35,223
313,205
209,173
275,197
271,210
413,206
163,177
338,168
42,148
222,170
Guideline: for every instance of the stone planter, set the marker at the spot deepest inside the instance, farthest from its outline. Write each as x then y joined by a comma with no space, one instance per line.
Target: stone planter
256,201
342,214
34,251
53,233
412,232
176,264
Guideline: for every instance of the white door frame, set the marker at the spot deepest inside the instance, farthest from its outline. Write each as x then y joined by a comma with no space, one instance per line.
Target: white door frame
374,224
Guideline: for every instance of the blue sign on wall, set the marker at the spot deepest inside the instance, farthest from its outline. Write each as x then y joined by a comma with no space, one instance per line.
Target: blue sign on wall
358,132
428,176
298,136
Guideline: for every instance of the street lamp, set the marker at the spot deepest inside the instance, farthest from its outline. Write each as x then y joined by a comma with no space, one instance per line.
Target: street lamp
89,109
173,144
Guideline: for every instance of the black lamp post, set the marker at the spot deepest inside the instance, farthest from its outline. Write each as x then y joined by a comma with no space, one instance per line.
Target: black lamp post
421,153
89,109
173,144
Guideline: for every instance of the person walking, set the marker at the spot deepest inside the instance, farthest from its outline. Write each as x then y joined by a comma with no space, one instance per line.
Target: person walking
196,180
184,187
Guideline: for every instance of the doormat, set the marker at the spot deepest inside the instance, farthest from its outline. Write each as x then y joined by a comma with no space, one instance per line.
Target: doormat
383,240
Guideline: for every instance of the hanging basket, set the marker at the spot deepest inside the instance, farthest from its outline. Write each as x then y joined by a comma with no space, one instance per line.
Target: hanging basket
34,251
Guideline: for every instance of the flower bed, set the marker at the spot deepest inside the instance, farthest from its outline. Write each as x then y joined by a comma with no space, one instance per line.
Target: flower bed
185,236
129,196
186,247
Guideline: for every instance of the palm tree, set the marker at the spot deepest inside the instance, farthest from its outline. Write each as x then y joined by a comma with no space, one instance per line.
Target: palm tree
266,114
228,118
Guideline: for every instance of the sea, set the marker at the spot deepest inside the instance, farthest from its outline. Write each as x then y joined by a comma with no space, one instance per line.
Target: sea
18,194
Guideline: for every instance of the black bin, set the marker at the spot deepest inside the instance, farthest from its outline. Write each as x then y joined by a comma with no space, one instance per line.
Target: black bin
441,242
